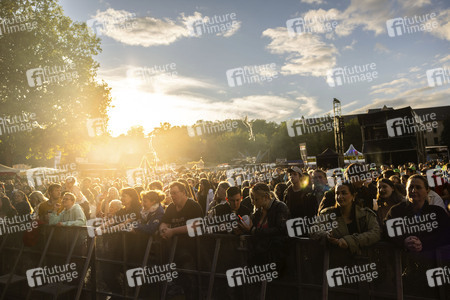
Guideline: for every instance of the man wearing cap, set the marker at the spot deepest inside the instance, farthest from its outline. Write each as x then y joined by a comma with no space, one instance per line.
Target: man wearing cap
298,196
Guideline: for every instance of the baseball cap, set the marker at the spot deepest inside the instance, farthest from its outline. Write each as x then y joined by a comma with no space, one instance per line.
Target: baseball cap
295,169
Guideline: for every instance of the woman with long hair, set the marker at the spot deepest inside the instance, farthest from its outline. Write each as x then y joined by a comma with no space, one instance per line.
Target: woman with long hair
131,202
355,227
205,194
387,197
267,226
21,203
36,198
6,208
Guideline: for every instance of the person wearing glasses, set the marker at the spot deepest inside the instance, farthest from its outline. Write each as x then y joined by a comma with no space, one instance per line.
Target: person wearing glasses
72,215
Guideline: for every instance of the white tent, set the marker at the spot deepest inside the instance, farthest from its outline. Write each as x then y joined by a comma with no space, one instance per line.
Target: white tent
352,155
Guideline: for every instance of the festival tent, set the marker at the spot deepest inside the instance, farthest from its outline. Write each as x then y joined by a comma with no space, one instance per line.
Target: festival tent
329,159
352,155
7,172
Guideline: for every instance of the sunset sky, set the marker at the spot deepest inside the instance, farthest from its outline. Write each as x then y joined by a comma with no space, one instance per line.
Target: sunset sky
181,61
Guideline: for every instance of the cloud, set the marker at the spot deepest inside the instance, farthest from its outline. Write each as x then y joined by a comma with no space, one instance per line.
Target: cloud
442,30
371,15
234,28
391,87
414,7
126,28
262,107
413,3
224,25
306,53
313,1
416,97
308,106
444,59
163,79
380,48
321,21
413,69
350,47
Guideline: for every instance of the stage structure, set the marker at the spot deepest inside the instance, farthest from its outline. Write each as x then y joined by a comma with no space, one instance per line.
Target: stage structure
339,129
393,136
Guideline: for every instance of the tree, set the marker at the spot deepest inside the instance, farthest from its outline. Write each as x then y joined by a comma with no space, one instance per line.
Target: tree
49,43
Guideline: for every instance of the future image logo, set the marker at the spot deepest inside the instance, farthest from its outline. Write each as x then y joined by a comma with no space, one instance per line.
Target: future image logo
135,176
95,228
218,25
407,25
101,25
410,225
438,77
17,23
18,123
438,276
251,74
51,74
347,275
309,125
147,275
410,125
51,275
96,26
211,127
305,226
351,74
253,274
316,24
96,127
151,74
18,223
437,177
210,225
35,77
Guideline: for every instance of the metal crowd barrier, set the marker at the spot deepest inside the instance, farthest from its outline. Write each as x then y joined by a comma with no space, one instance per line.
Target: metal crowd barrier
102,261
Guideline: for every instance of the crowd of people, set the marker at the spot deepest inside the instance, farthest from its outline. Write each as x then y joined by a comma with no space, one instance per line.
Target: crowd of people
362,206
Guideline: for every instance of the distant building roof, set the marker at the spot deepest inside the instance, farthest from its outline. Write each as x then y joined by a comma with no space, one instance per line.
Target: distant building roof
372,110
442,112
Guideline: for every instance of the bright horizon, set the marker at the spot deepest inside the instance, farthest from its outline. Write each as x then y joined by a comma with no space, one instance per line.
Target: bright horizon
164,65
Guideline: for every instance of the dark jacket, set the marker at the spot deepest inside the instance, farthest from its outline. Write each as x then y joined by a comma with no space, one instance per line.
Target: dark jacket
225,209
302,203
150,224
247,202
436,237
268,244
369,231
277,215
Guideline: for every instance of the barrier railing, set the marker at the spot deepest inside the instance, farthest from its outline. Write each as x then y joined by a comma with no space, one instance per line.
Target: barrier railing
102,262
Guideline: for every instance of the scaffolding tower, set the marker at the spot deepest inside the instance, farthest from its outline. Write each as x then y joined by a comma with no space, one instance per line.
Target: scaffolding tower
339,127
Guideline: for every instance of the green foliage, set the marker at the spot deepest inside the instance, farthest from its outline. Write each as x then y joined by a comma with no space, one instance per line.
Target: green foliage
61,108
173,144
